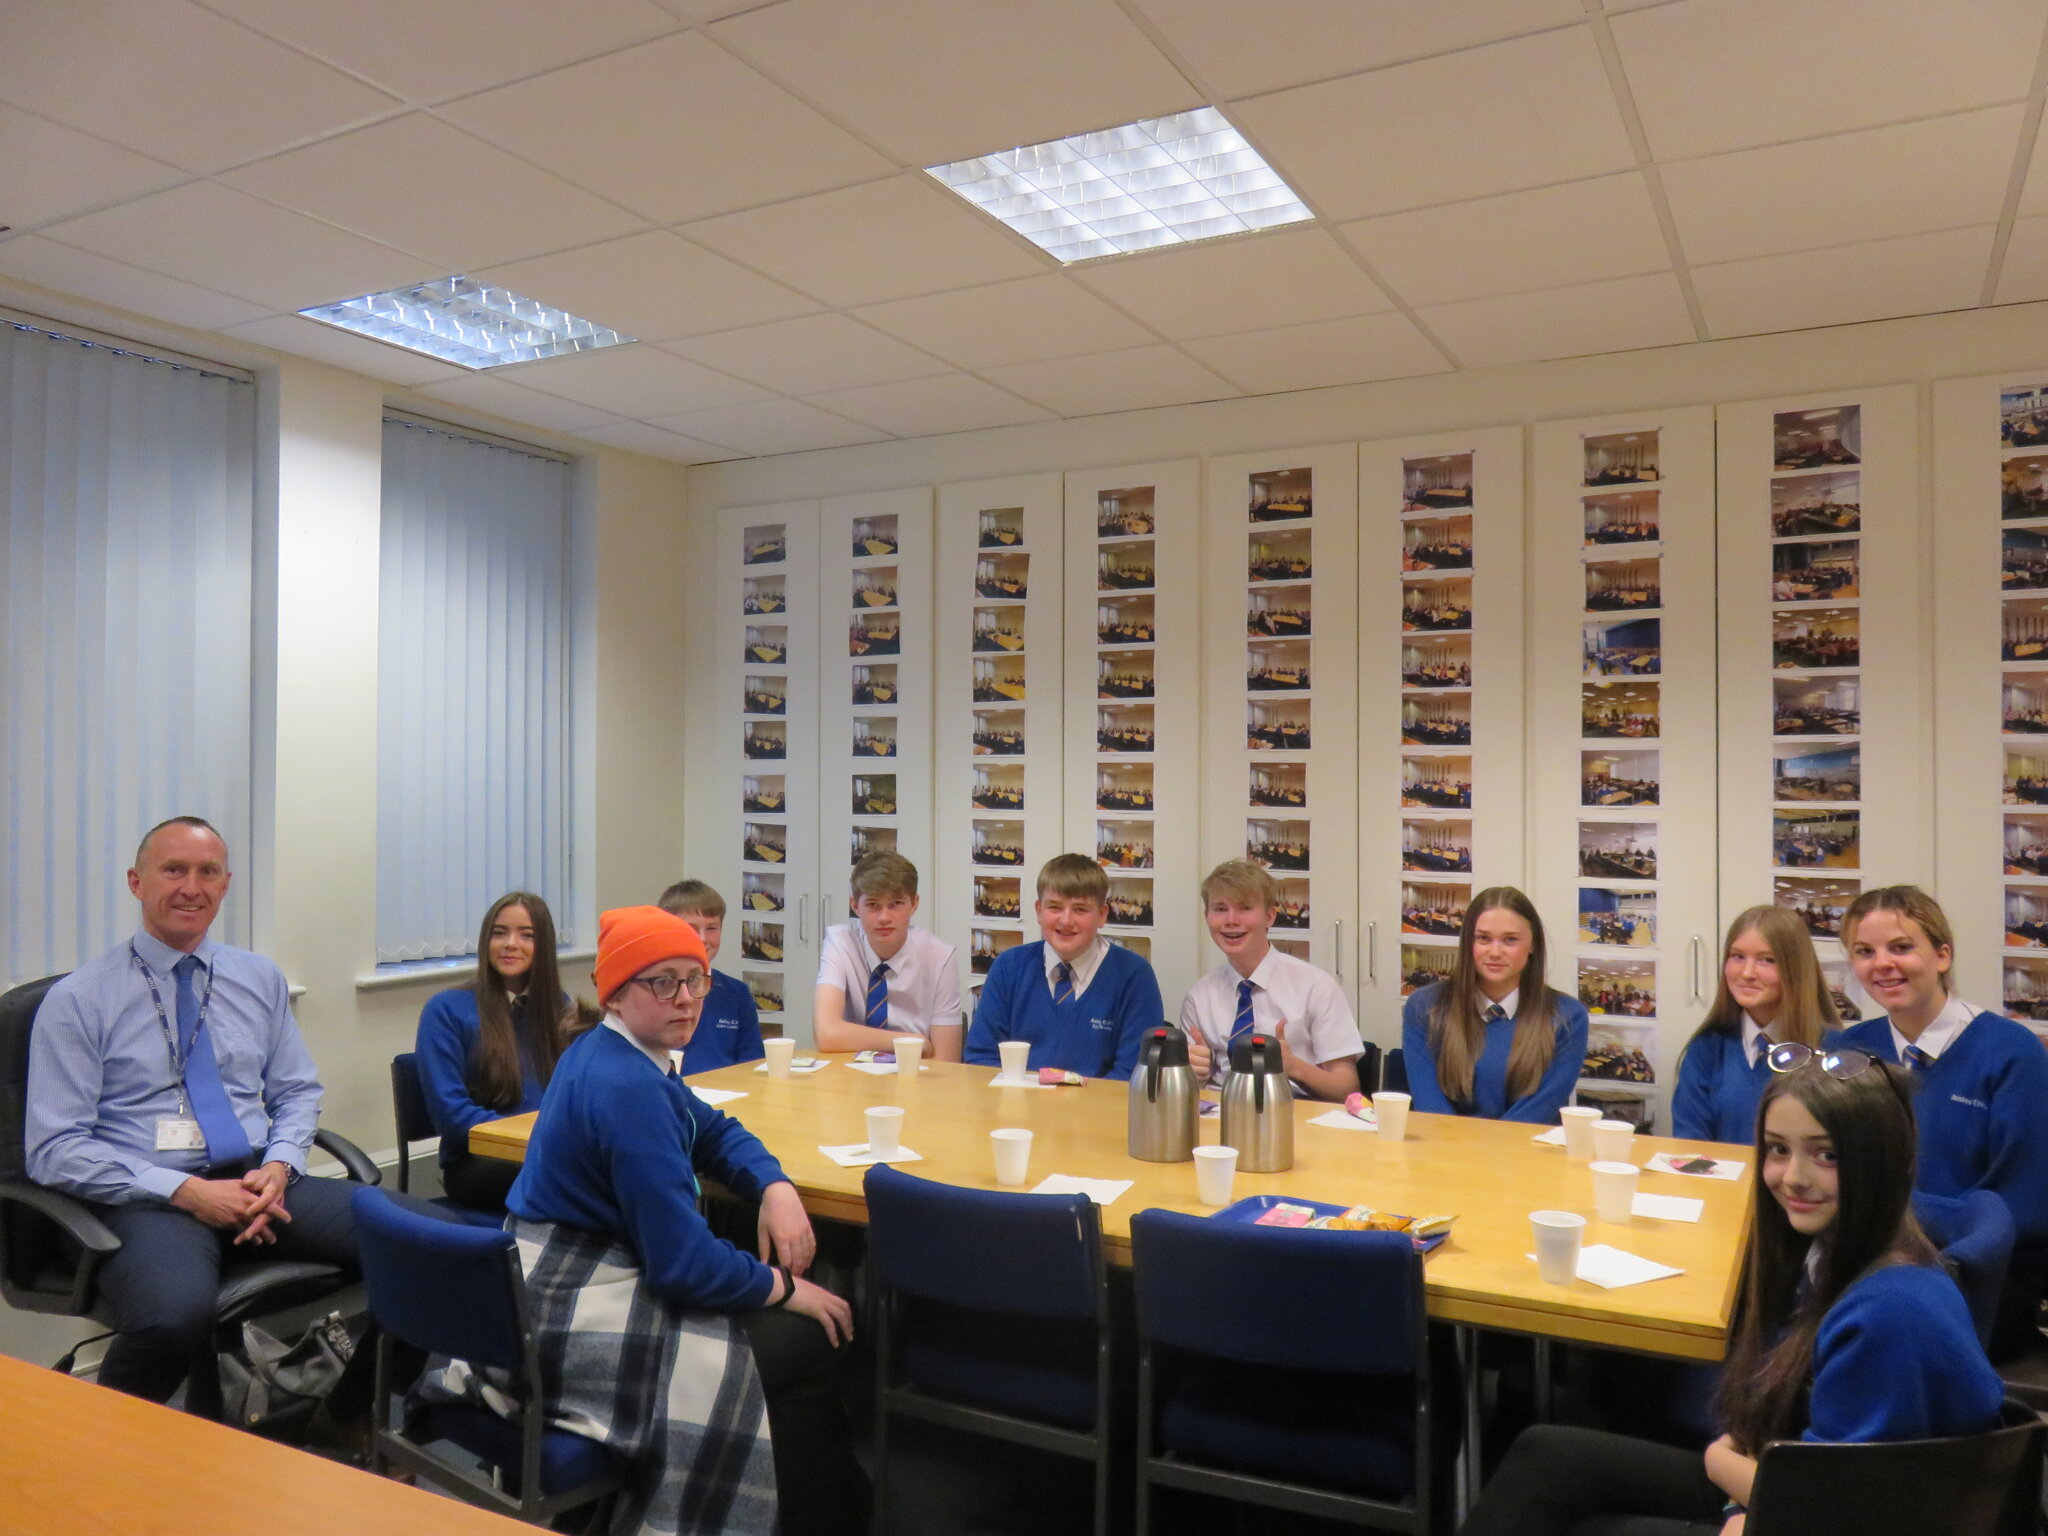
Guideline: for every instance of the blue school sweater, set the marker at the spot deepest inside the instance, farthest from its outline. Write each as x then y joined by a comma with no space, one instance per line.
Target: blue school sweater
1490,1072
728,1030
448,1032
1982,1109
1897,1358
618,1149
1718,1090
1095,1034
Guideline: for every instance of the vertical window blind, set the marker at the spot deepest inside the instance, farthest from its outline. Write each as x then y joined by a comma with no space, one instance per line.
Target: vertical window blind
473,750
127,504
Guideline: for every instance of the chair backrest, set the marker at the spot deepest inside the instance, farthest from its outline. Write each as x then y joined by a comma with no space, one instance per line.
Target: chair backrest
446,1287
1975,1234
1986,1485
408,1112
17,1018
1291,1297
1038,1255
1369,1069
1394,1072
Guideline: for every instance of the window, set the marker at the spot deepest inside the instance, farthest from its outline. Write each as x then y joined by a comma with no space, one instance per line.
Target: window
473,751
126,537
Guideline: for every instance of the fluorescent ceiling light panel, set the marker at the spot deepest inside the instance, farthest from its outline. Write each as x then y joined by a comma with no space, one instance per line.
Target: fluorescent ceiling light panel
1163,181
466,322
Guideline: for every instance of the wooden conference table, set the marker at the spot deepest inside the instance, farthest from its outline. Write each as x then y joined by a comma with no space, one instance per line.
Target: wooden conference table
1487,1172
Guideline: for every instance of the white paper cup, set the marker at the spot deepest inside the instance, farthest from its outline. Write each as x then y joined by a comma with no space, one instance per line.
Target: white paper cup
1578,1132
1614,1190
1016,1056
885,1129
1215,1172
1391,1110
1613,1140
908,1049
781,1051
1013,1154
1558,1235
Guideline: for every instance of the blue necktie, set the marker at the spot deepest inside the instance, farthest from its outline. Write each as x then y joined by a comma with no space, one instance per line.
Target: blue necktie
226,1142
1495,1014
878,996
1918,1059
1062,984
1242,1023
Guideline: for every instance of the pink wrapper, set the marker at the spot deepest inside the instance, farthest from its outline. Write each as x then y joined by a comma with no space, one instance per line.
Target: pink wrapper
1055,1077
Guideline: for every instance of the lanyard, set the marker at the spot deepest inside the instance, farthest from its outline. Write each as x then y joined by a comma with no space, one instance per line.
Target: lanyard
178,1063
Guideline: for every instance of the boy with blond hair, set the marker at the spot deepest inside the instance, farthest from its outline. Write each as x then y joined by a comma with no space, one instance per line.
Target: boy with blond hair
1259,989
729,1025
1082,1002
879,977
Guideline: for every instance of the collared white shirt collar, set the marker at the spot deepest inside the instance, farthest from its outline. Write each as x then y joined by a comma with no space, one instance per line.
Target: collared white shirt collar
1941,1034
663,1063
1085,964
161,958
1511,1004
1755,1040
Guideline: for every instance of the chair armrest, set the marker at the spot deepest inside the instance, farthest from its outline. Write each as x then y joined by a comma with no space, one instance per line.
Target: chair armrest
71,1216
354,1162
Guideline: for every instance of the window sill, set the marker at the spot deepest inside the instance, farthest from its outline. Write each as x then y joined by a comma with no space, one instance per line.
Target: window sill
440,972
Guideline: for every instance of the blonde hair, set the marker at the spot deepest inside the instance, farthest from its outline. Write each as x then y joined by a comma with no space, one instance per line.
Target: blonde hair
1457,1030
884,874
692,898
1807,1011
1243,882
1073,877
1913,904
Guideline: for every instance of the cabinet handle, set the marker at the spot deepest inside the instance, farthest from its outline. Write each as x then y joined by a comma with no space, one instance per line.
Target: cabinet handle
1696,996
803,907
1339,946
1372,951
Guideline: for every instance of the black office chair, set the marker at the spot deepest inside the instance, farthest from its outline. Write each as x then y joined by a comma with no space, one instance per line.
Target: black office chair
1394,1072
52,1245
1369,1070
409,1112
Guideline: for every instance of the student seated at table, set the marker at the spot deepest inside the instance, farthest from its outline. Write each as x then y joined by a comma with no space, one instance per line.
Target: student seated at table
1847,1327
1083,1002
1982,1079
1494,1039
1258,988
878,977
486,1049
1771,991
652,1330
729,1027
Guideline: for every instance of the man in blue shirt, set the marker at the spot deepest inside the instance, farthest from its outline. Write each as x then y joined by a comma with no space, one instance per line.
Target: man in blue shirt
169,1086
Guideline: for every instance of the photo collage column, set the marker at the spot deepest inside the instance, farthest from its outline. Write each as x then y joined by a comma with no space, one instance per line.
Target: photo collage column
873,645
1279,610
2023,693
1000,648
764,791
1126,687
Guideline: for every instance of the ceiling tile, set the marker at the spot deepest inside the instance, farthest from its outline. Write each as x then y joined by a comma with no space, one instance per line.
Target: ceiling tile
1242,50
452,47
707,10
810,355
1016,322
1913,275
639,437
419,185
676,129
1329,352
358,354
1615,316
515,402
1493,119
655,286
1941,173
1580,232
240,245
939,80
165,78
954,402
633,381
1114,381
53,170
773,426
2021,280
1712,75
86,276
1243,283
886,240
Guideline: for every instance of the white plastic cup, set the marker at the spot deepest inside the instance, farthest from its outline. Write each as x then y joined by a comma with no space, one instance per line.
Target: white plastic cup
1613,1140
1013,1154
1215,1172
1558,1235
1614,1190
781,1051
1016,1055
885,1129
908,1049
1578,1132
1391,1110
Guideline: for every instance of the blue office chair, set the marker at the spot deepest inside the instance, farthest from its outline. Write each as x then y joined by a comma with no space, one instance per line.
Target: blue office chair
456,1289
1975,1234
991,1315
1288,1368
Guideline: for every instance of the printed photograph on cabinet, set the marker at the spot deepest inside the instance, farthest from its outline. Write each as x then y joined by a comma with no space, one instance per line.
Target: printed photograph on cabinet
1125,621
1436,847
998,630
1621,458
2026,845
764,545
1817,839
998,789
874,794
998,732
1619,1052
1123,786
1815,639
765,988
1292,910
2026,917
1278,495
765,739
1441,720
2023,416
1816,900
1435,604
867,840
2026,989
767,694
1816,706
1624,586
2023,488
2026,776
763,595
1130,900
1437,544
1137,943
875,536
1123,844
1619,919
999,680
1000,528
763,795
768,644
874,586
874,736
1281,613
1282,786
2023,703
1126,513
1000,843
1851,1003
762,893
874,685
1122,567
1623,517
1003,578
1277,844
1125,728
1806,773
2024,629
761,941
1608,778
1622,648
1279,726
1437,483
1624,987
763,843
1618,850
1424,965
1436,661
1437,783
2023,560
1806,506
1823,439
1276,666
998,896
1433,909
1815,571
875,634
985,944
1123,675
1282,556
1618,710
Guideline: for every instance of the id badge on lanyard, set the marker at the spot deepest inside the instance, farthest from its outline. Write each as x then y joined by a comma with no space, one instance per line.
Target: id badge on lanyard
180,1132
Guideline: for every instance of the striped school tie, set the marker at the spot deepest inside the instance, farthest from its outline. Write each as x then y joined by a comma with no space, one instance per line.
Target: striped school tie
1918,1059
878,996
1241,1024
1062,984
1495,1014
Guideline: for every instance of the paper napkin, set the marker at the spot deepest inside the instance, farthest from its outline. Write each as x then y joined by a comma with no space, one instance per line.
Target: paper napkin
1101,1191
1000,1081
1554,1137
881,1068
1667,1162
1611,1268
1344,1120
857,1155
1668,1207
801,1066
718,1095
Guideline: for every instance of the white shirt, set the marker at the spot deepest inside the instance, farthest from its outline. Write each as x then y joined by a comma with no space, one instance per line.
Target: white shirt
1320,1028
1509,1005
1756,1040
924,978
663,1061
1084,965
1941,1034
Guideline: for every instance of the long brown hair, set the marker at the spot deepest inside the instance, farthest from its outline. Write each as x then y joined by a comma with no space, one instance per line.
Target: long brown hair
1457,1026
551,1018
1763,1393
1806,1011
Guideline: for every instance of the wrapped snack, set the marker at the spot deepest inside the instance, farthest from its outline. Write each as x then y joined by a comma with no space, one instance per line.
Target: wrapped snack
1054,1077
1431,1226
1284,1214
1358,1106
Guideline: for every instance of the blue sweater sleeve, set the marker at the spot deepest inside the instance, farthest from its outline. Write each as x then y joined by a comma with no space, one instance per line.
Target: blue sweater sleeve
1540,1105
447,1034
1897,1358
731,1153
1692,1101
1139,1008
1428,1094
2018,1165
992,1018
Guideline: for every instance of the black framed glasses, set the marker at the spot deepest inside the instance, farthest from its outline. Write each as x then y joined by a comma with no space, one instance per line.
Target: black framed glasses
665,988
1842,1064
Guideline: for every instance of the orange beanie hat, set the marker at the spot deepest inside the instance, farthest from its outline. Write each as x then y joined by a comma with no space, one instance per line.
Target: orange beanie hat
630,939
